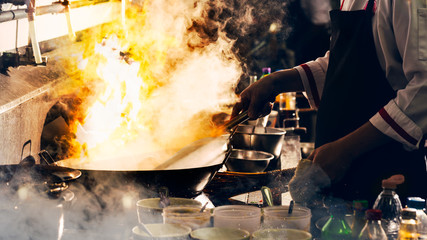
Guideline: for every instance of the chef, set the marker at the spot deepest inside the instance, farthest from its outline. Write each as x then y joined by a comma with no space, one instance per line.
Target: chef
370,90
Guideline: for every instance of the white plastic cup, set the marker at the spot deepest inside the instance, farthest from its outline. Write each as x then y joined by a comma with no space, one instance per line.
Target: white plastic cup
283,234
238,216
149,210
278,217
161,231
187,215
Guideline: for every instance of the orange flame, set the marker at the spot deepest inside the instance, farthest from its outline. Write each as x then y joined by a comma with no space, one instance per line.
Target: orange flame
149,87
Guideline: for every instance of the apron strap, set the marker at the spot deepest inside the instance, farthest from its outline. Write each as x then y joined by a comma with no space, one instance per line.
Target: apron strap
370,7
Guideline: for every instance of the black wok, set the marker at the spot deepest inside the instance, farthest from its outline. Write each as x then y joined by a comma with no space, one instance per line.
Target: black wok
180,182
204,157
38,172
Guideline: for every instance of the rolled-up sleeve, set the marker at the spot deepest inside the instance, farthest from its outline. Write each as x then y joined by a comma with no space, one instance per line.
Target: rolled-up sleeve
313,76
405,117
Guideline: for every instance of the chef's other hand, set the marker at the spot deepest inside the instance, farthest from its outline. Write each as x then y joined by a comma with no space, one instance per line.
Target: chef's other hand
332,159
336,157
257,98
308,182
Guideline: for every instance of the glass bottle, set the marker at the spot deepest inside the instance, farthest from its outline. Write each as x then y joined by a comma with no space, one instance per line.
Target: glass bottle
358,218
373,229
252,79
419,204
336,228
389,204
408,226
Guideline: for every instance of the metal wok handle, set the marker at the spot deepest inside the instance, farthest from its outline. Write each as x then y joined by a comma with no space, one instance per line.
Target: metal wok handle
23,147
29,160
242,117
227,154
43,154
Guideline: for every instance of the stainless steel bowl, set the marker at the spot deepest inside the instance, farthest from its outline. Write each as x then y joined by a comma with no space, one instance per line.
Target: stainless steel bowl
248,161
258,138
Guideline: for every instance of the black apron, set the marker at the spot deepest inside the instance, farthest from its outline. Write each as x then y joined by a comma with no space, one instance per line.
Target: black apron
355,89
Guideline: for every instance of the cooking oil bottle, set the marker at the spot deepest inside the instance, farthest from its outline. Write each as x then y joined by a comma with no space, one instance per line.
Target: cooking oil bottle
408,226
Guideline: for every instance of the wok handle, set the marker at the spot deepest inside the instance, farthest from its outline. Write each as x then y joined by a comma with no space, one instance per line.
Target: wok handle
242,117
227,154
47,157
23,147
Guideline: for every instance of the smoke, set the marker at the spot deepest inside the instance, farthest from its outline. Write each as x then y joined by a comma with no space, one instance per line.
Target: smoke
87,211
186,58
171,67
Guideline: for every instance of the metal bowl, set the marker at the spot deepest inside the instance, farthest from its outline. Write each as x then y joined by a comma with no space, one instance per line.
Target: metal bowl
248,161
258,138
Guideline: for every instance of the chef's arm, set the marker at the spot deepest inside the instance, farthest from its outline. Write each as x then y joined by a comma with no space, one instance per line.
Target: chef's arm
335,157
258,97
404,118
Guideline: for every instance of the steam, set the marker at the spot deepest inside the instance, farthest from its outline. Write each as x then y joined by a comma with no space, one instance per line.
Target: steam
150,85
162,78
183,62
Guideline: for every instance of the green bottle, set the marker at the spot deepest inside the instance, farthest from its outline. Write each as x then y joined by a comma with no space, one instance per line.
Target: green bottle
336,228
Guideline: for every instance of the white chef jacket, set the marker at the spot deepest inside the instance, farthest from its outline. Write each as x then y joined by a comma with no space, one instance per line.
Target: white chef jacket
400,36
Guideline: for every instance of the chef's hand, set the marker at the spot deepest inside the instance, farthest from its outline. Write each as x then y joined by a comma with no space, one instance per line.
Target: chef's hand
336,157
257,99
308,182
332,159
259,96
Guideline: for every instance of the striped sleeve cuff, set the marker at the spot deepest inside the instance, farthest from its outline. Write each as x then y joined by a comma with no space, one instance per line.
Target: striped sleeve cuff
394,123
312,76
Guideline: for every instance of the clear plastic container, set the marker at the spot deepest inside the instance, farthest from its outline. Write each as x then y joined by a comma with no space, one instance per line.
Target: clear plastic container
150,211
187,216
215,233
389,204
161,231
419,204
372,229
238,216
408,227
278,217
283,234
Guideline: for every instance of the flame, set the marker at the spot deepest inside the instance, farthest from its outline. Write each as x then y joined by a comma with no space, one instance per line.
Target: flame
151,84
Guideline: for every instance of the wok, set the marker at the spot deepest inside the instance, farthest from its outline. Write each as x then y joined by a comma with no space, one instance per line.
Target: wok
47,180
185,174
39,172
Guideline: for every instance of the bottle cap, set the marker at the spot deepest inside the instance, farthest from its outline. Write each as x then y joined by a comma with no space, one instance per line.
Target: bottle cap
415,202
360,205
373,214
266,70
393,181
409,213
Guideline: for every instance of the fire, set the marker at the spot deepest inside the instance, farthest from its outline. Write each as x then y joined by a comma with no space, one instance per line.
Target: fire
150,84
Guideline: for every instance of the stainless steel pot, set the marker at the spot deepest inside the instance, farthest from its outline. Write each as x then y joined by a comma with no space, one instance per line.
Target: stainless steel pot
263,139
258,138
